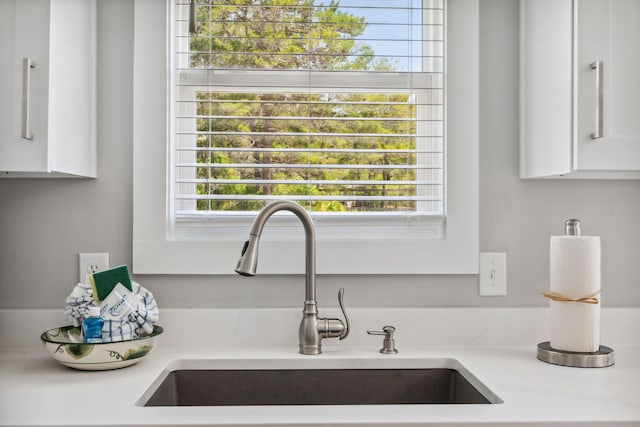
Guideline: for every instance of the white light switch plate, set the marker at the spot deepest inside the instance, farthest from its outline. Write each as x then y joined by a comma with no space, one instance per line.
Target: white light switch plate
493,274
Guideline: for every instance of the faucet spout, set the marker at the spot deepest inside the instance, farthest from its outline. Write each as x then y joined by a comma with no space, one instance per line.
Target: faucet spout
312,329
248,261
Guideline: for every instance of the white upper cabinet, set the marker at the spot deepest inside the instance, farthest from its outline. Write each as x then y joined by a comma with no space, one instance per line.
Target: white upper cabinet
48,85
580,89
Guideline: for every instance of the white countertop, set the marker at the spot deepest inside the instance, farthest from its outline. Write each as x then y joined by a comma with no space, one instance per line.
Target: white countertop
35,390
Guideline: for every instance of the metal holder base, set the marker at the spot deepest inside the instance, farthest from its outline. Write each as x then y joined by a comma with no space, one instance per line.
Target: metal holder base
600,359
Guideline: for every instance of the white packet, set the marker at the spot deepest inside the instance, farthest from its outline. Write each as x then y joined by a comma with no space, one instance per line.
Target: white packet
118,304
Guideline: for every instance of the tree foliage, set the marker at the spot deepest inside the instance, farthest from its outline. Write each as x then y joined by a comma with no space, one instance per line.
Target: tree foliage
268,133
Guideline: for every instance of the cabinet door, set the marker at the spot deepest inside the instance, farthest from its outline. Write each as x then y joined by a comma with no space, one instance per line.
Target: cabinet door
608,33
24,33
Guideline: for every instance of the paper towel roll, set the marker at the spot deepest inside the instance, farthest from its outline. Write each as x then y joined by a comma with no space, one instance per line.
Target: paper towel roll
575,272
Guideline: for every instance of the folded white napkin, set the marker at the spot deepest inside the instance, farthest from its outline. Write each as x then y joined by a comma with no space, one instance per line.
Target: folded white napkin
141,313
78,303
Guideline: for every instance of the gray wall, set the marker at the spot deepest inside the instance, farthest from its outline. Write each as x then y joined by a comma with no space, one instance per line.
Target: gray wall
45,223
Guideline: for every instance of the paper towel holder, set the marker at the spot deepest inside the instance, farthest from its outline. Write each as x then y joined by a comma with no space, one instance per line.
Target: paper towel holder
600,359
572,227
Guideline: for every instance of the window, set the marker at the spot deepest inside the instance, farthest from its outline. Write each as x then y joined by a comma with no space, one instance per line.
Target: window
339,106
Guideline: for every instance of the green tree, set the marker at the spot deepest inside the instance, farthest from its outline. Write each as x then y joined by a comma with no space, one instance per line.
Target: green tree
295,35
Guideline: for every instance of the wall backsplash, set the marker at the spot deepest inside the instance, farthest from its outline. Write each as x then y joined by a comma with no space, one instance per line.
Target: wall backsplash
45,223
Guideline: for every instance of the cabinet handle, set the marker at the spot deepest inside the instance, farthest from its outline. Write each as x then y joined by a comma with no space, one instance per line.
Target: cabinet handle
27,65
598,66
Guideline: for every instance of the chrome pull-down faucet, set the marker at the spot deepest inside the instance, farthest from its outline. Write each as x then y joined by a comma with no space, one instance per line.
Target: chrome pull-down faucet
312,328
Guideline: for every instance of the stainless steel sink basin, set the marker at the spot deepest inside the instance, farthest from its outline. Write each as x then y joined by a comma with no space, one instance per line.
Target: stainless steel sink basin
446,383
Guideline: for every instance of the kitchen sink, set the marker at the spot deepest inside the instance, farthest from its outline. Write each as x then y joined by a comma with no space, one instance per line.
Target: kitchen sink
435,381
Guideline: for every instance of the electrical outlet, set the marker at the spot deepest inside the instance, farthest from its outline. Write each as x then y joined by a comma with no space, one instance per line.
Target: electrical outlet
493,274
92,263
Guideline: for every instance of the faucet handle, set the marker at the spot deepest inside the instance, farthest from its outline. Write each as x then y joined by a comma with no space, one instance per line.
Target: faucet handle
388,344
334,328
345,332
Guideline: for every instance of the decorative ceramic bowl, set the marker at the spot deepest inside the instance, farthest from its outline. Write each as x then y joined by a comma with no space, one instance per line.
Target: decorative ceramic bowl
65,345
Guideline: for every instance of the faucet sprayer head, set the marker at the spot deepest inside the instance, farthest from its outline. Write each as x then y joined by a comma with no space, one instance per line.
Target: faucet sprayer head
248,261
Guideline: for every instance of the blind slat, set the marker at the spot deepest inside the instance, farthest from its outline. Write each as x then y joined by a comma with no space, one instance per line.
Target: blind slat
303,182
302,166
311,80
308,134
306,118
304,197
307,150
306,103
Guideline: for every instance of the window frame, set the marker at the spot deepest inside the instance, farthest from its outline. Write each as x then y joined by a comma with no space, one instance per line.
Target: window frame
156,250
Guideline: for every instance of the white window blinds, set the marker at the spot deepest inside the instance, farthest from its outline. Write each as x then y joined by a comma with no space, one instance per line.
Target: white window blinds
337,105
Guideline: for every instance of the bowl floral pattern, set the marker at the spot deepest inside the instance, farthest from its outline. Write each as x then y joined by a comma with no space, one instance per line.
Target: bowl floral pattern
66,346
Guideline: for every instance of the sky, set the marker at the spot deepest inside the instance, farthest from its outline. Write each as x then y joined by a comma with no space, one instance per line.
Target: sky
394,29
